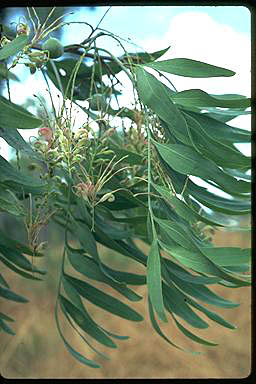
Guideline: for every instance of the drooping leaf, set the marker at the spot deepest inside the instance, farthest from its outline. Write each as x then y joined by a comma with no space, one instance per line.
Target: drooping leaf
225,256
144,57
89,268
10,295
4,282
225,156
185,160
82,359
17,246
183,274
6,74
158,330
220,131
9,203
157,96
17,270
199,262
202,293
17,258
14,46
192,336
210,314
174,303
232,206
201,99
104,300
6,328
225,115
18,181
85,323
88,242
154,280
15,140
5,317
190,68
185,211
13,116
76,300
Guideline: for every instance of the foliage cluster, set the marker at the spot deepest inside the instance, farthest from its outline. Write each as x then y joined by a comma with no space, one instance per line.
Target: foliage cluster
125,174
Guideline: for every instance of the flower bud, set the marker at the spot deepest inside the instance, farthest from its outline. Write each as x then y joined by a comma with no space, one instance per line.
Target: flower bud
46,133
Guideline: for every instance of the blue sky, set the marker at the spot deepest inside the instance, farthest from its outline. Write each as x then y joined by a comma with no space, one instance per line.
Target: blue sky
141,21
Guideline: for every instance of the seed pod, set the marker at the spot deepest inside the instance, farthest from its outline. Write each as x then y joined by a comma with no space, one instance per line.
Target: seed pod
54,47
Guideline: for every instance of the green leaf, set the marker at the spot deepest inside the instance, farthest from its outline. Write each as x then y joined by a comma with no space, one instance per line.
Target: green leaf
74,295
203,293
132,157
17,270
218,203
144,57
182,274
200,99
86,323
90,268
199,262
3,281
76,300
15,140
187,299
158,97
103,300
225,256
177,232
158,330
15,245
192,336
219,131
80,357
190,68
223,154
210,314
18,181
10,295
225,115
185,160
6,327
154,280
6,74
9,203
238,173
88,242
119,246
13,116
15,46
174,303
181,208
5,317
15,257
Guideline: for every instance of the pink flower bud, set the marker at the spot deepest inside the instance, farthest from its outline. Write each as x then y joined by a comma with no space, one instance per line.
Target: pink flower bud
46,133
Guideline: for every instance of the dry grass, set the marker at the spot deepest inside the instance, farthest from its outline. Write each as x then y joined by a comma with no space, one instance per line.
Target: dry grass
37,351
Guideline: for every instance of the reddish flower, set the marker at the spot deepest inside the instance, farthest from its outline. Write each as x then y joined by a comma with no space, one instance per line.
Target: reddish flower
46,133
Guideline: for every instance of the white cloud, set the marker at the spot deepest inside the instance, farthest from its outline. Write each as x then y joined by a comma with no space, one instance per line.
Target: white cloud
197,36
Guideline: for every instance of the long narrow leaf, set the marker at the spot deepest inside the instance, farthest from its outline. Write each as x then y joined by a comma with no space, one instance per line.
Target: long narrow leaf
103,300
190,68
154,280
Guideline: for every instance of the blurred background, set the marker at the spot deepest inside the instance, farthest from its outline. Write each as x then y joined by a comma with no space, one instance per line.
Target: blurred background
219,36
